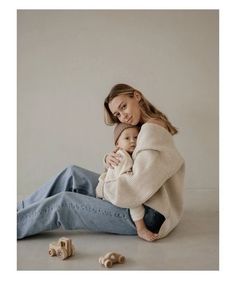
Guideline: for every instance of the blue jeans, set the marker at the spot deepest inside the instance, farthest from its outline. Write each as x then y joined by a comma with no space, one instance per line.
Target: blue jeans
69,201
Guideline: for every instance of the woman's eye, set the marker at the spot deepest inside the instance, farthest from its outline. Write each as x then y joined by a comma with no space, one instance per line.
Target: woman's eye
123,107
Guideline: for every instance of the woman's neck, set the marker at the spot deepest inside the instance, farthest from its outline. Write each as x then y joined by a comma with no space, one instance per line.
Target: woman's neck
144,118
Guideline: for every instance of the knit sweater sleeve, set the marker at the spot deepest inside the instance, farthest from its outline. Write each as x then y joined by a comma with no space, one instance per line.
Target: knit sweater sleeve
152,167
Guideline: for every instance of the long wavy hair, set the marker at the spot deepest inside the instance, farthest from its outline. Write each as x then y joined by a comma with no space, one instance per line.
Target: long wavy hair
148,110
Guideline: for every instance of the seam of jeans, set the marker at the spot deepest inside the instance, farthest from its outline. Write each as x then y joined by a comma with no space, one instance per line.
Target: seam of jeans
36,213
91,209
49,209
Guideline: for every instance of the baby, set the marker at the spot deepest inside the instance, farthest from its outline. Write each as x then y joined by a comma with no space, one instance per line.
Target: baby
125,137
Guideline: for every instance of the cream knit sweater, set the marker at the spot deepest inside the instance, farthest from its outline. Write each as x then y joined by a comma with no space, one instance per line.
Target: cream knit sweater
157,180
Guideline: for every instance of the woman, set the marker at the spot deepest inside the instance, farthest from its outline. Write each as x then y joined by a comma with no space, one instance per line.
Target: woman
69,200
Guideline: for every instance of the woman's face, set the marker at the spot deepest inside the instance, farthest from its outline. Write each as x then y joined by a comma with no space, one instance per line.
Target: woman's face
126,108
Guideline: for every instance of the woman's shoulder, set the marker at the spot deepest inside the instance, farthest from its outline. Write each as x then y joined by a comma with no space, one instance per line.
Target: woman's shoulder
158,122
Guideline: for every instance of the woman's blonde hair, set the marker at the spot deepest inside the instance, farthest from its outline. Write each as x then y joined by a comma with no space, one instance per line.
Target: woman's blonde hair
147,109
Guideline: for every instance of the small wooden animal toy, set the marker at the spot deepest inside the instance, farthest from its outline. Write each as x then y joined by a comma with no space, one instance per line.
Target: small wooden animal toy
63,248
110,258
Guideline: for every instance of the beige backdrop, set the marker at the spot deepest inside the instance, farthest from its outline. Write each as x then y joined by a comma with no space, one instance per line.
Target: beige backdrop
69,60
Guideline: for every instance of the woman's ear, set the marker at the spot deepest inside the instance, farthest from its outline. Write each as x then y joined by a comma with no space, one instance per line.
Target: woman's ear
137,95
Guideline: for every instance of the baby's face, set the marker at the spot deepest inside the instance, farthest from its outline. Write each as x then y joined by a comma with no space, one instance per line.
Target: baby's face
127,140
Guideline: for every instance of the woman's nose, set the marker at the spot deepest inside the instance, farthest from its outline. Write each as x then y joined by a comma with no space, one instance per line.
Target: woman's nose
124,116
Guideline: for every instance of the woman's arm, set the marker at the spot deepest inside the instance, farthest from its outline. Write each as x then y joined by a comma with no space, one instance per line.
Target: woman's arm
151,170
156,159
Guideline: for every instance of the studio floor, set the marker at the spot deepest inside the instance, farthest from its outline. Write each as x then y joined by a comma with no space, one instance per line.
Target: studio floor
193,245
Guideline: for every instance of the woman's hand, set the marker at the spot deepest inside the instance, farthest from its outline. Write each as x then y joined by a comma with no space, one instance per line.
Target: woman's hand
112,159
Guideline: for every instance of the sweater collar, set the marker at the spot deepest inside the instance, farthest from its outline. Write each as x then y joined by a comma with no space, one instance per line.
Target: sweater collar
154,137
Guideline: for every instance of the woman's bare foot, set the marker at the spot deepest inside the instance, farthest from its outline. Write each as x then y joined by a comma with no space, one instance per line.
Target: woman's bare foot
147,235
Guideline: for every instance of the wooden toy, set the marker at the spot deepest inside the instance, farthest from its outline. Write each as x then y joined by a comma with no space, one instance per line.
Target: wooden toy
110,258
63,248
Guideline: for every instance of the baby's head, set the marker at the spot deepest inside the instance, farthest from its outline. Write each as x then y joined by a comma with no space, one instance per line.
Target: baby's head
125,136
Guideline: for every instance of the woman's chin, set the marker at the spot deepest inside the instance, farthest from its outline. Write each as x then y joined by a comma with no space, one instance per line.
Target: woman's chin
133,122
